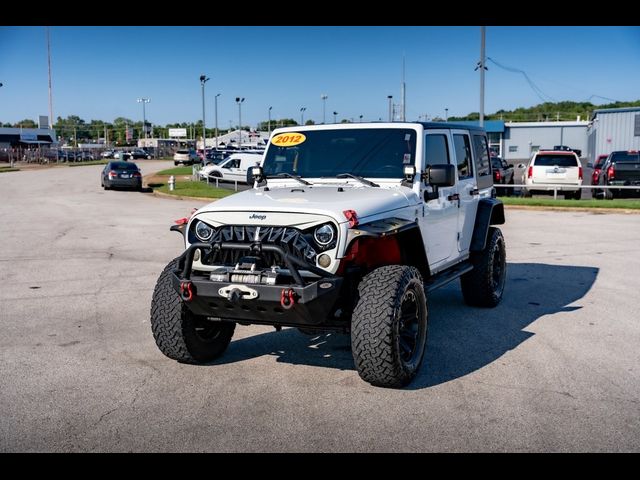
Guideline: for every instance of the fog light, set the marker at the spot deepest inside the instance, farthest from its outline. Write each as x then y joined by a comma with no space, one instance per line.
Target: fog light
196,255
324,260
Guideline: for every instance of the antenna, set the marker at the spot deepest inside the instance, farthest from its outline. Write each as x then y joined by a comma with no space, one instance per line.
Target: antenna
50,93
403,93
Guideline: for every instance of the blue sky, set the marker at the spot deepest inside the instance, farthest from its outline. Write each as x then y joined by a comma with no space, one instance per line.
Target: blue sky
98,72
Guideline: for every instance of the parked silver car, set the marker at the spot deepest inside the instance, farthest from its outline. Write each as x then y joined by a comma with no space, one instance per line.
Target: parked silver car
186,157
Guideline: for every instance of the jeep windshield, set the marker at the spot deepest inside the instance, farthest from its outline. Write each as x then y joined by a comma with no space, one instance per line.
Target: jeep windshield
365,152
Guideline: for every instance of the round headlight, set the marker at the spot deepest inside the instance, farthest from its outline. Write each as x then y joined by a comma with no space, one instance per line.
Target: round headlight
203,231
323,235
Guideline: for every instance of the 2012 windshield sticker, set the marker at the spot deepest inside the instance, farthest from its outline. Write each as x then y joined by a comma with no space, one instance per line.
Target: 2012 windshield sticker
289,139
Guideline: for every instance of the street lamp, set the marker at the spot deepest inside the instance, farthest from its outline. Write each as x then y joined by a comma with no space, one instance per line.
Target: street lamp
302,115
446,114
390,97
144,101
203,80
335,114
361,118
324,97
239,102
216,108
270,120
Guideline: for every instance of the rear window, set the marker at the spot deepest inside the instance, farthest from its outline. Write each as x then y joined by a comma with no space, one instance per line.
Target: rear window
626,157
124,166
556,160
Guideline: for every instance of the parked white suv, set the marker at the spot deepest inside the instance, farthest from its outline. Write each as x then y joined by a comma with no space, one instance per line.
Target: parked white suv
347,228
551,170
186,157
233,167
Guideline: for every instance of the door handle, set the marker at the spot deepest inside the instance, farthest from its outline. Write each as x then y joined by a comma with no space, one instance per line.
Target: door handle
475,191
455,196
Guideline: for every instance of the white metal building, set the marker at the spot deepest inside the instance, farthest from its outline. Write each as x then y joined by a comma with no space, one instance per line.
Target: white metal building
523,139
613,129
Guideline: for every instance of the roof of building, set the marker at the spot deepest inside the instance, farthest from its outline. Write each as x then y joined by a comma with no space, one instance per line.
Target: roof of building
491,126
574,123
614,110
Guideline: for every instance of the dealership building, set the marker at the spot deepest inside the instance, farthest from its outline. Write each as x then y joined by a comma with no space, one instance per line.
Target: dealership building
613,129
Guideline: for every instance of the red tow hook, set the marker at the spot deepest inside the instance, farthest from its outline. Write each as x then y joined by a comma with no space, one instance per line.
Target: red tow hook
186,291
287,298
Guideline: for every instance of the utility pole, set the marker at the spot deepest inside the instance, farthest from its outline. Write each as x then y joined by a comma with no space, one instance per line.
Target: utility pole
144,101
203,79
390,97
216,109
239,102
482,67
324,97
50,91
404,94
270,120
446,114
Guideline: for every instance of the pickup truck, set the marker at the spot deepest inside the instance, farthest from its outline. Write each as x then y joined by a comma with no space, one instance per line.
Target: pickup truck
502,175
622,168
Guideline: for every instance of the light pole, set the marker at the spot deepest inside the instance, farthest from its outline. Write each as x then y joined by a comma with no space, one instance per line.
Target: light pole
302,115
239,101
324,97
335,115
216,108
446,114
361,118
390,97
203,79
270,120
144,101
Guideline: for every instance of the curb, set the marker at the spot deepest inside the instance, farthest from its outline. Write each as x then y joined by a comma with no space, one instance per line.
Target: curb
601,210
182,197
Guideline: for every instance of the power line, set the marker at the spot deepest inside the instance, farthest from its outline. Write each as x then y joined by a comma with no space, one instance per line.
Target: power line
533,86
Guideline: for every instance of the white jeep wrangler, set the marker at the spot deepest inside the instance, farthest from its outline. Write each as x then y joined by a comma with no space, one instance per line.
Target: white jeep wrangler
347,228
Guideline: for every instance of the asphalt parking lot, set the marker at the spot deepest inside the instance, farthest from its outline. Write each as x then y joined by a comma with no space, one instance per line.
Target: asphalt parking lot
556,367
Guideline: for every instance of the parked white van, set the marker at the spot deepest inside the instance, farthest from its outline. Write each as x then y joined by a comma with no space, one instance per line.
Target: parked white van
233,167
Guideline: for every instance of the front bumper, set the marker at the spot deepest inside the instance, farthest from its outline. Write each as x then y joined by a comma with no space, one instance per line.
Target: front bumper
315,301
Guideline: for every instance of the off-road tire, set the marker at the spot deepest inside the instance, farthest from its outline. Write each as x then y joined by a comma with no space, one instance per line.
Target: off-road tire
377,324
178,332
484,285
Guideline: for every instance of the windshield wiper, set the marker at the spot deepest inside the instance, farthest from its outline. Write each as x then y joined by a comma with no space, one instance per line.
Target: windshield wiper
289,175
359,178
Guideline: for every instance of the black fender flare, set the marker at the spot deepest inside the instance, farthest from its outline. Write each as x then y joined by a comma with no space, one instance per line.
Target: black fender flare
490,212
408,234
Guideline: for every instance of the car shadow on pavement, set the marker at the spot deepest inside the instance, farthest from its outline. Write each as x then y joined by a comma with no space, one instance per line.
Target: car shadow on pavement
461,339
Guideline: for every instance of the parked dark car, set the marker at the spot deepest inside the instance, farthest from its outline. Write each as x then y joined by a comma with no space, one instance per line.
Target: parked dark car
121,174
622,168
502,175
139,153
565,148
597,167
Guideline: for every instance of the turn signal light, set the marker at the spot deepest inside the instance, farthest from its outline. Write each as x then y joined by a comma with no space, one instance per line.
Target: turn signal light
352,217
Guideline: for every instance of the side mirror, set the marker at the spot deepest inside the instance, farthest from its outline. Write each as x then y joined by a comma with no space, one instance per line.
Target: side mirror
521,165
438,176
441,175
255,174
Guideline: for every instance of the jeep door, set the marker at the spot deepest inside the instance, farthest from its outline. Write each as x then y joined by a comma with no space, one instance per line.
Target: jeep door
439,225
467,184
